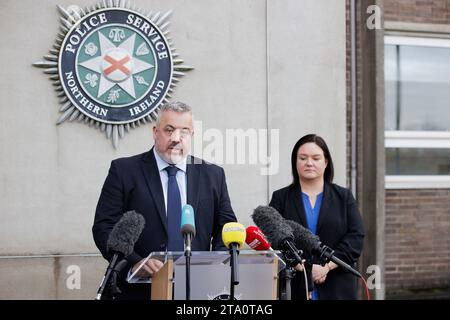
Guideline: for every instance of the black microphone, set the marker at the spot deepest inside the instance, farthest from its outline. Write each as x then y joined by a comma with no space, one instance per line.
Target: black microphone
278,232
120,244
309,242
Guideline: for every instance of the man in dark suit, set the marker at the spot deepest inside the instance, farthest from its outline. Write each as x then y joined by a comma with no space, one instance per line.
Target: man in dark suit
157,184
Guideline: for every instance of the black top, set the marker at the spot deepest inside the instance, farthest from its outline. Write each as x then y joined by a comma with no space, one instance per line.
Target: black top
339,227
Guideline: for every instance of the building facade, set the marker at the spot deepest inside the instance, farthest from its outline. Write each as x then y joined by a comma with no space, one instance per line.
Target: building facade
370,76
258,76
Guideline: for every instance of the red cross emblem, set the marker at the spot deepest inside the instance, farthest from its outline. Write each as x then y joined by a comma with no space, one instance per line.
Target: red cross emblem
117,65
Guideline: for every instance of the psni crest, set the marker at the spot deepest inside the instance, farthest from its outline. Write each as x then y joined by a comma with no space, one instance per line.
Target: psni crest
112,65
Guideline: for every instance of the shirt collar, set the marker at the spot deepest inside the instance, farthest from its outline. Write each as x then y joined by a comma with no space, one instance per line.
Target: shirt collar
162,164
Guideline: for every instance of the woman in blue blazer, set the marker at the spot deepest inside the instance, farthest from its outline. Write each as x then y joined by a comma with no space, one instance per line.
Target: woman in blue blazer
329,211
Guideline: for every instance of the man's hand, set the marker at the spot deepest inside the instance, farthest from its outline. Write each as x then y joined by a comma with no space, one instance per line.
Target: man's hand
148,269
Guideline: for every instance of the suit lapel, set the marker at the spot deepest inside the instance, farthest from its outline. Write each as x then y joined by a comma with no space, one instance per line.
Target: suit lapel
192,176
151,174
325,208
296,193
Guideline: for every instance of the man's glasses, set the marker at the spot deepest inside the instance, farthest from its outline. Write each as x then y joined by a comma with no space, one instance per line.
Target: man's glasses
169,131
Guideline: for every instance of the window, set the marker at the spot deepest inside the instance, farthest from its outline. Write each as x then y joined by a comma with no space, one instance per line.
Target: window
417,112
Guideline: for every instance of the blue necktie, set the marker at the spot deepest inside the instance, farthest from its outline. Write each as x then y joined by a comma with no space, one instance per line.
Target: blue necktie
176,242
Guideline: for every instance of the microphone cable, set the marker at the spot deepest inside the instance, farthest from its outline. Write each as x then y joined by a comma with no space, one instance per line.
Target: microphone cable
306,282
366,288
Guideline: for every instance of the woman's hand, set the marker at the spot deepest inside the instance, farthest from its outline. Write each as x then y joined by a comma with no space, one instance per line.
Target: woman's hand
299,267
319,273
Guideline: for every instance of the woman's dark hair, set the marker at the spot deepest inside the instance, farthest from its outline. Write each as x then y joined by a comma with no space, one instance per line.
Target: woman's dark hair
329,171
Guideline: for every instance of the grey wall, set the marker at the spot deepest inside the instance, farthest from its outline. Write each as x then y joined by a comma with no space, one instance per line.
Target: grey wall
258,65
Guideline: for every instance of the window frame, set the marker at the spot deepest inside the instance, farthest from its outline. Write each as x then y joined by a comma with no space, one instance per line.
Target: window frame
417,139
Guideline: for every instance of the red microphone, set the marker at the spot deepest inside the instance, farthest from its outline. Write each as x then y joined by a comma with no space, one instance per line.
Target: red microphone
256,239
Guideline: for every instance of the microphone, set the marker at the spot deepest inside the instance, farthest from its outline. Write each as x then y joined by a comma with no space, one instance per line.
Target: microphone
188,233
311,243
187,226
278,232
304,238
233,236
120,244
256,239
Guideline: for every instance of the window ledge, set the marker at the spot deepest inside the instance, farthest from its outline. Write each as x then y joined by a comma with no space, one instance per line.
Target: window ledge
417,139
417,41
417,182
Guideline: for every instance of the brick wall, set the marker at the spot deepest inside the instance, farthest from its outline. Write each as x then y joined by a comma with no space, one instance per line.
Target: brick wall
418,11
417,249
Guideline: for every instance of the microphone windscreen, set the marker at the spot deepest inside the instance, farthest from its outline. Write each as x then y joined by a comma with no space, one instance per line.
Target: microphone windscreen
273,225
187,220
304,238
256,239
125,233
233,232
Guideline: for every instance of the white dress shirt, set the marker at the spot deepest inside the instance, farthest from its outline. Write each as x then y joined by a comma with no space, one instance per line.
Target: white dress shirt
164,176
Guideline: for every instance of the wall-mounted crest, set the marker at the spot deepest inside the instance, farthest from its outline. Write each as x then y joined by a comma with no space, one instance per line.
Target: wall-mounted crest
113,65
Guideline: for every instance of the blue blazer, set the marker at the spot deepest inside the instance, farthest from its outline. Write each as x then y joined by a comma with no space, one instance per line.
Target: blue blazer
339,227
134,183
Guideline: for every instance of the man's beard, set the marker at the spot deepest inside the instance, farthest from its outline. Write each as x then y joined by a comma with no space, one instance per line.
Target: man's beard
173,158
176,158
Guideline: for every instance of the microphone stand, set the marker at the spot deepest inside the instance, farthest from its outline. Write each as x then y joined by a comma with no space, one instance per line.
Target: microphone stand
188,254
113,288
293,257
109,287
285,284
234,251
107,276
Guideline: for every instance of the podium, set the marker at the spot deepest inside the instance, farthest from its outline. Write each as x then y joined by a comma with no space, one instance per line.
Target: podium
210,275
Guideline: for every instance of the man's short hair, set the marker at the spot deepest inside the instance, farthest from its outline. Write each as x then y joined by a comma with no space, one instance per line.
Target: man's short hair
176,106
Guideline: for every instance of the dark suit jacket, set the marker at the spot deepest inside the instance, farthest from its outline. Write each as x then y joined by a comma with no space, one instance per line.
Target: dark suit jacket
134,184
339,227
